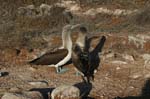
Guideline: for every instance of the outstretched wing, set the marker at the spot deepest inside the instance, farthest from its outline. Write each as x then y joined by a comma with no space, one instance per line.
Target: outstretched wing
94,57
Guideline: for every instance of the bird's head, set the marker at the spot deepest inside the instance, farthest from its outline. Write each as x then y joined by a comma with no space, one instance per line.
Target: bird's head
67,27
77,27
82,28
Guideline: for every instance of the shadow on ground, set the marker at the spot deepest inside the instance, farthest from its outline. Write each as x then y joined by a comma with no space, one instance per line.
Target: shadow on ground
44,91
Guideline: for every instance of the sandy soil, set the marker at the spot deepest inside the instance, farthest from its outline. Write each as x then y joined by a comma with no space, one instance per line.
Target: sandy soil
111,80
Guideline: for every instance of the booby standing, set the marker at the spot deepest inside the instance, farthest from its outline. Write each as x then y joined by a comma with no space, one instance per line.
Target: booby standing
60,56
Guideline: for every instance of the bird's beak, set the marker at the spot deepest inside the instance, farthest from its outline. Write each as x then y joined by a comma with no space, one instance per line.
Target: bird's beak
76,26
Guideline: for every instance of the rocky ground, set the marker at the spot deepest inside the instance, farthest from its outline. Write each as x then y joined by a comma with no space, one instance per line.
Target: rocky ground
26,33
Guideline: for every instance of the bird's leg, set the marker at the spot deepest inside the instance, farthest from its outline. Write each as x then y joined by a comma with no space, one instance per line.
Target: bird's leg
92,77
52,65
77,73
57,69
84,80
60,70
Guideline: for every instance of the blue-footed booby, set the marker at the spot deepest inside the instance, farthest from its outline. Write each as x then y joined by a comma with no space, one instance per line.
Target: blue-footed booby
60,56
85,61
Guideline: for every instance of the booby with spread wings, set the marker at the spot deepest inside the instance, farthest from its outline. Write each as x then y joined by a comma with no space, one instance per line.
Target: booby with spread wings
85,61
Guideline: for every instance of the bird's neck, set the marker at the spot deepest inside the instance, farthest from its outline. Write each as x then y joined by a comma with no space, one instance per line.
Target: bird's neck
81,40
67,41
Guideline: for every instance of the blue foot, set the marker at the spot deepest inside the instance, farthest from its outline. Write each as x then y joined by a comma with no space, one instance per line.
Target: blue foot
60,70
77,73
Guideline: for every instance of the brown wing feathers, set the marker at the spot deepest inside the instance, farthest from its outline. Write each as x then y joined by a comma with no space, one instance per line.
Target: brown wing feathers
50,57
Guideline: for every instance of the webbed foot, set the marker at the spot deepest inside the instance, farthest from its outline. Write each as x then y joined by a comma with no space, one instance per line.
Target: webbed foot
60,70
78,73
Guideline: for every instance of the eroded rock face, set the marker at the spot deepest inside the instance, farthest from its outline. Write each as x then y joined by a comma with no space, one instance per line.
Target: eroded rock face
65,92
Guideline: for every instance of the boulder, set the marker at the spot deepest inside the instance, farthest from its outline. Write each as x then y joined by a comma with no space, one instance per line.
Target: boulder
65,92
39,84
23,95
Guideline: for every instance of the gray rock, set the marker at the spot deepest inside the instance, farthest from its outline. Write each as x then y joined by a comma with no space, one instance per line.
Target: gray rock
39,84
45,9
91,12
146,58
13,96
128,57
14,89
147,76
24,95
33,94
119,62
107,56
65,92
136,75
